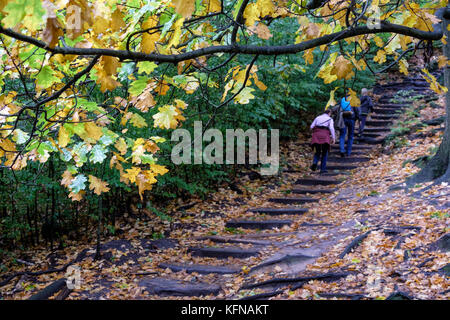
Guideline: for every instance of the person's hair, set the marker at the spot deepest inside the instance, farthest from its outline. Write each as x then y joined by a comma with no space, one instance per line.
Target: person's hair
364,91
328,111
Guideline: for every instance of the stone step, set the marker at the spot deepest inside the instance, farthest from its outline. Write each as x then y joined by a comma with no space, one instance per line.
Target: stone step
354,152
354,147
317,182
386,111
372,135
199,268
385,116
258,224
325,174
340,167
219,239
348,159
376,130
279,211
223,253
391,105
379,123
290,200
312,191
373,141
172,287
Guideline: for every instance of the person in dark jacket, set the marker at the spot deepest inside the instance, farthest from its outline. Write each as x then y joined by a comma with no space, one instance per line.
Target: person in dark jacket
349,114
322,137
366,108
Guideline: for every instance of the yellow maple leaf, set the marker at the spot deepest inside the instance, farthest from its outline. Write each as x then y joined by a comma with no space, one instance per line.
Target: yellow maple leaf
149,39
165,118
251,14
63,137
176,35
106,81
266,7
52,32
261,30
331,102
77,196
214,6
309,56
380,57
403,66
185,8
97,185
354,100
110,64
121,145
442,61
158,169
93,131
342,67
66,178
378,41
78,17
132,173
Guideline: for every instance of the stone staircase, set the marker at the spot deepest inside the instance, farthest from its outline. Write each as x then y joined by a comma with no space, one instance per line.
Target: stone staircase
260,251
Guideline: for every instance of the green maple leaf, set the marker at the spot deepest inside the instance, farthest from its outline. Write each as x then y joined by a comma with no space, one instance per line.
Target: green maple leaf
138,86
46,77
165,118
147,66
15,11
19,10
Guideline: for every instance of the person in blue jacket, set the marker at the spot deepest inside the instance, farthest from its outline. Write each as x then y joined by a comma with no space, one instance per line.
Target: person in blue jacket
349,116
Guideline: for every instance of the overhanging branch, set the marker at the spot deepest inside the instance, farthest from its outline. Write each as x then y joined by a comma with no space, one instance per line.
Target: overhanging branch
386,27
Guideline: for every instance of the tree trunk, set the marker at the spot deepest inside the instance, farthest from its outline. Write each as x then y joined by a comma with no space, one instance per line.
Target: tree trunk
439,166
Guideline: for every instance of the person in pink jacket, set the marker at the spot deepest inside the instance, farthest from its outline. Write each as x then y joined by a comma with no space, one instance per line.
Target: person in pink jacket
323,136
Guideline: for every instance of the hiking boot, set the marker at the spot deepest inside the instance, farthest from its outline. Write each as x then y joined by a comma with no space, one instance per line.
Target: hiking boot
342,155
314,167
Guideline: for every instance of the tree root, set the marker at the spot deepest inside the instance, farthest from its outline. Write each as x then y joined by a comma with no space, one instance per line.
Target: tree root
353,296
50,290
79,257
299,281
356,242
263,295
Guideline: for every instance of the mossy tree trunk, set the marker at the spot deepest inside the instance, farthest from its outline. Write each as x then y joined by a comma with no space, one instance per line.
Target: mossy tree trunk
438,168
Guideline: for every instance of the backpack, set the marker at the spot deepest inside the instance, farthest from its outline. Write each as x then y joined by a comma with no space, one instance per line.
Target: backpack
346,108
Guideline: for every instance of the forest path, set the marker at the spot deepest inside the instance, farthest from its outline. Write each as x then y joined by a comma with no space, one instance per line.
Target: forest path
272,250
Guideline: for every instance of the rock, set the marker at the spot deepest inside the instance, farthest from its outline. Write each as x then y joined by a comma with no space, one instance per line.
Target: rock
398,295
316,182
442,244
170,287
199,268
312,191
279,211
293,200
254,224
445,270
159,244
223,253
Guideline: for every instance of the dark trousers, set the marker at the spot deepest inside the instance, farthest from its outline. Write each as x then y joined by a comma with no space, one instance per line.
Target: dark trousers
322,155
348,128
362,123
